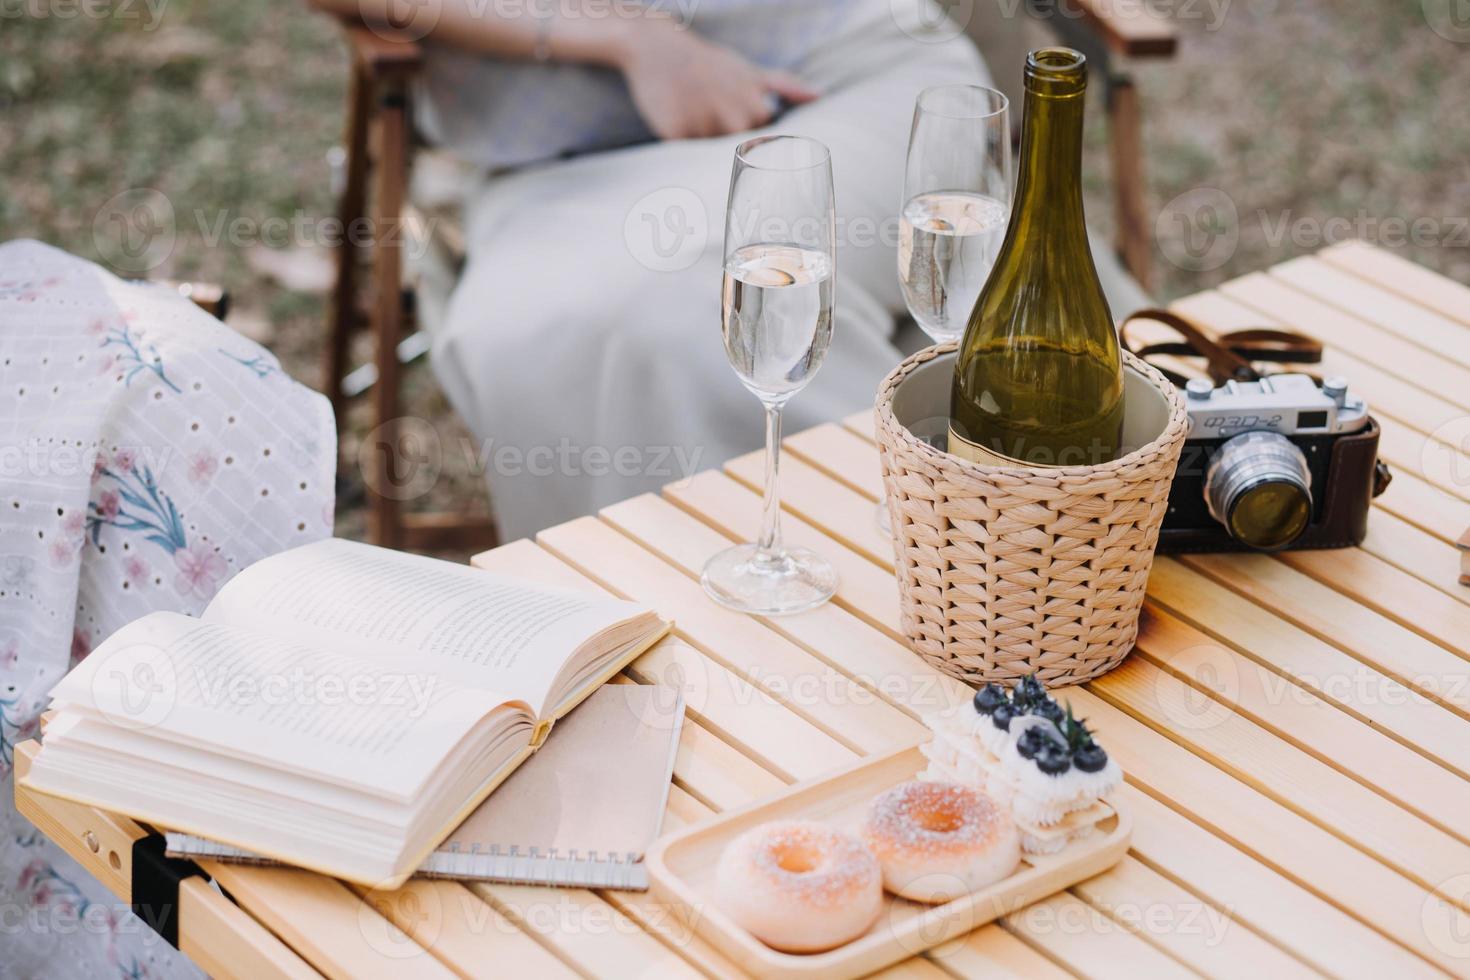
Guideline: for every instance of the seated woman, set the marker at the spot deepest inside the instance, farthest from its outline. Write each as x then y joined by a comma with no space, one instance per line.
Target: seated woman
583,333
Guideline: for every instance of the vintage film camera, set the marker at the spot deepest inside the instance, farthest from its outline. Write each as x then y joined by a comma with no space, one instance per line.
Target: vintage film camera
1281,462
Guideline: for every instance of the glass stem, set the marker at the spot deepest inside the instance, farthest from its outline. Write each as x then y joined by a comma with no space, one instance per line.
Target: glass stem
768,547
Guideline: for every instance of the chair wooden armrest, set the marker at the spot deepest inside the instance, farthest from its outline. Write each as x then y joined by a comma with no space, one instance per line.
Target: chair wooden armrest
1130,28
379,54
1113,34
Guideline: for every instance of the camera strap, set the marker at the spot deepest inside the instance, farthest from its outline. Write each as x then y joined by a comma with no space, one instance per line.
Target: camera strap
1228,356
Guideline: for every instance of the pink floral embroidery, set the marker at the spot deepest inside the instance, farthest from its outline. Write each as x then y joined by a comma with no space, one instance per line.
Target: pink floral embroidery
30,873
80,645
108,504
66,543
99,464
10,654
202,467
97,327
136,571
199,568
124,459
74,524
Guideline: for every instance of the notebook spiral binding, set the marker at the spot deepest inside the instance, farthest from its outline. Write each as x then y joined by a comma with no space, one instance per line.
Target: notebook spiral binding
538,867
533,866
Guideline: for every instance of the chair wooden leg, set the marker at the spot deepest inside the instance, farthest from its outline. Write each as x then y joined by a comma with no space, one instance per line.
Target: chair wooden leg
391,178
343,320
1135,232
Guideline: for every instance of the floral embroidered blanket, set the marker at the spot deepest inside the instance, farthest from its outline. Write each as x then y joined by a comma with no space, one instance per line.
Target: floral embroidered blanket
147,453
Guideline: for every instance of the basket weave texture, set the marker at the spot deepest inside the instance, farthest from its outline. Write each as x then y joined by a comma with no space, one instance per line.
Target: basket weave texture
1004,572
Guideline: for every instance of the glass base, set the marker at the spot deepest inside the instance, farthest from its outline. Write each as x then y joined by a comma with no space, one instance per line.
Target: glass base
793,581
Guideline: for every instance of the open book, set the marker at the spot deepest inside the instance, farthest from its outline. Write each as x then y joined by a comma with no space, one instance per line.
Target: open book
338,706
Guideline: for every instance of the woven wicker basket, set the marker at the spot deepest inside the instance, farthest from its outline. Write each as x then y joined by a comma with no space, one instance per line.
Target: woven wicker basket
1005,572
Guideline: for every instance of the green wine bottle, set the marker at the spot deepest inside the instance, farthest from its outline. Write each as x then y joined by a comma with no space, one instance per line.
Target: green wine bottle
1039,379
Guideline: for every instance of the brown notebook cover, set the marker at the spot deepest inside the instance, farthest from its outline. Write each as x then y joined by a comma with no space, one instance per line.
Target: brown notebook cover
580,812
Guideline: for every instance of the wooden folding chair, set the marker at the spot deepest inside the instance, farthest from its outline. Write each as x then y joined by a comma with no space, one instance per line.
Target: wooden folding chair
379,142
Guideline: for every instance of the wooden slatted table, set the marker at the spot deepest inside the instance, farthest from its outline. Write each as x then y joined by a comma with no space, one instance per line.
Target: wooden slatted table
1296,729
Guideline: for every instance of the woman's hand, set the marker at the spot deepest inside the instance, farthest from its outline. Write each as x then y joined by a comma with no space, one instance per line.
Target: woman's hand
684,86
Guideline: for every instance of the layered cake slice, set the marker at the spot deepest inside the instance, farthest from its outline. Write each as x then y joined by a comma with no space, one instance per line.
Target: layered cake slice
1024,749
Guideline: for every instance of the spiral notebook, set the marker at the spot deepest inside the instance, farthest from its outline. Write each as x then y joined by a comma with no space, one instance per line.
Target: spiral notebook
579,813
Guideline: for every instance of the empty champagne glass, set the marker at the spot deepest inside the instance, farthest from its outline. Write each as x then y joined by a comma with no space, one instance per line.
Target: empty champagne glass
956,203
776,315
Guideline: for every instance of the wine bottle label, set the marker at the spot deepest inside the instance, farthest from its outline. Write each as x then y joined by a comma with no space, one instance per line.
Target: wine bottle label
984,455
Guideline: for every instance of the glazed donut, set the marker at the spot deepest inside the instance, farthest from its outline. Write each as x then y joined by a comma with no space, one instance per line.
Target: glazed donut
800,887
938,841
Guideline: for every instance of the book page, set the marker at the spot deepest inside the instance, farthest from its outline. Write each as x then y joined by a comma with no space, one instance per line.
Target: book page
477,628
336,717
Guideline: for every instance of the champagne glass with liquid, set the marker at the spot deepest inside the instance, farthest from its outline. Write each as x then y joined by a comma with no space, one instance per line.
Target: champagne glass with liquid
776,316
956,203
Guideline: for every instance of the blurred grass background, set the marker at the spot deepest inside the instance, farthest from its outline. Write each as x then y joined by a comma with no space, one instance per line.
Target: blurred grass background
1300,111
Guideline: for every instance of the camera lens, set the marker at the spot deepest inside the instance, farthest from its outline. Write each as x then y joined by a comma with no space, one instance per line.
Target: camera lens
1259,487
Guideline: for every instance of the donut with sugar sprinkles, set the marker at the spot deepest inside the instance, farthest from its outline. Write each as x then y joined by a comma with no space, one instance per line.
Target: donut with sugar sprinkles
800,886
937,841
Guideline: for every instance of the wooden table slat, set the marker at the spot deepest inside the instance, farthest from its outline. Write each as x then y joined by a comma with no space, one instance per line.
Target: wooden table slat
324,921
1398,275
1370,695
831,633
1260,896
727,505
1421,555
1234,744
1435,671
1281,298
846,517
592,935
1184,926
718,698
854,720
1410,321
1388,591
448,920
1297,715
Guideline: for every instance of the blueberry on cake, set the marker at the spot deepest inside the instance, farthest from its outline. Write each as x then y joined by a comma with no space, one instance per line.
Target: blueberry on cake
1026,750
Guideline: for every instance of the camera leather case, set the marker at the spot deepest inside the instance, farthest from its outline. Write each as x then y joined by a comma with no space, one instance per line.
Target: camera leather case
1339,519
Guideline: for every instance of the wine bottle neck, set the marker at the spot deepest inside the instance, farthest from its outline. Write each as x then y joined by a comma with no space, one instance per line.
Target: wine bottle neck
1049,184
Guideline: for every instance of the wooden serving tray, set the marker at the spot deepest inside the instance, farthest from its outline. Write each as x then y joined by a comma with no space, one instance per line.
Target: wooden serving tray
681,870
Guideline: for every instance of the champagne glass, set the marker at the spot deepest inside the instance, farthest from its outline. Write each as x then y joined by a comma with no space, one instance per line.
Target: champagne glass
956,204
776,315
